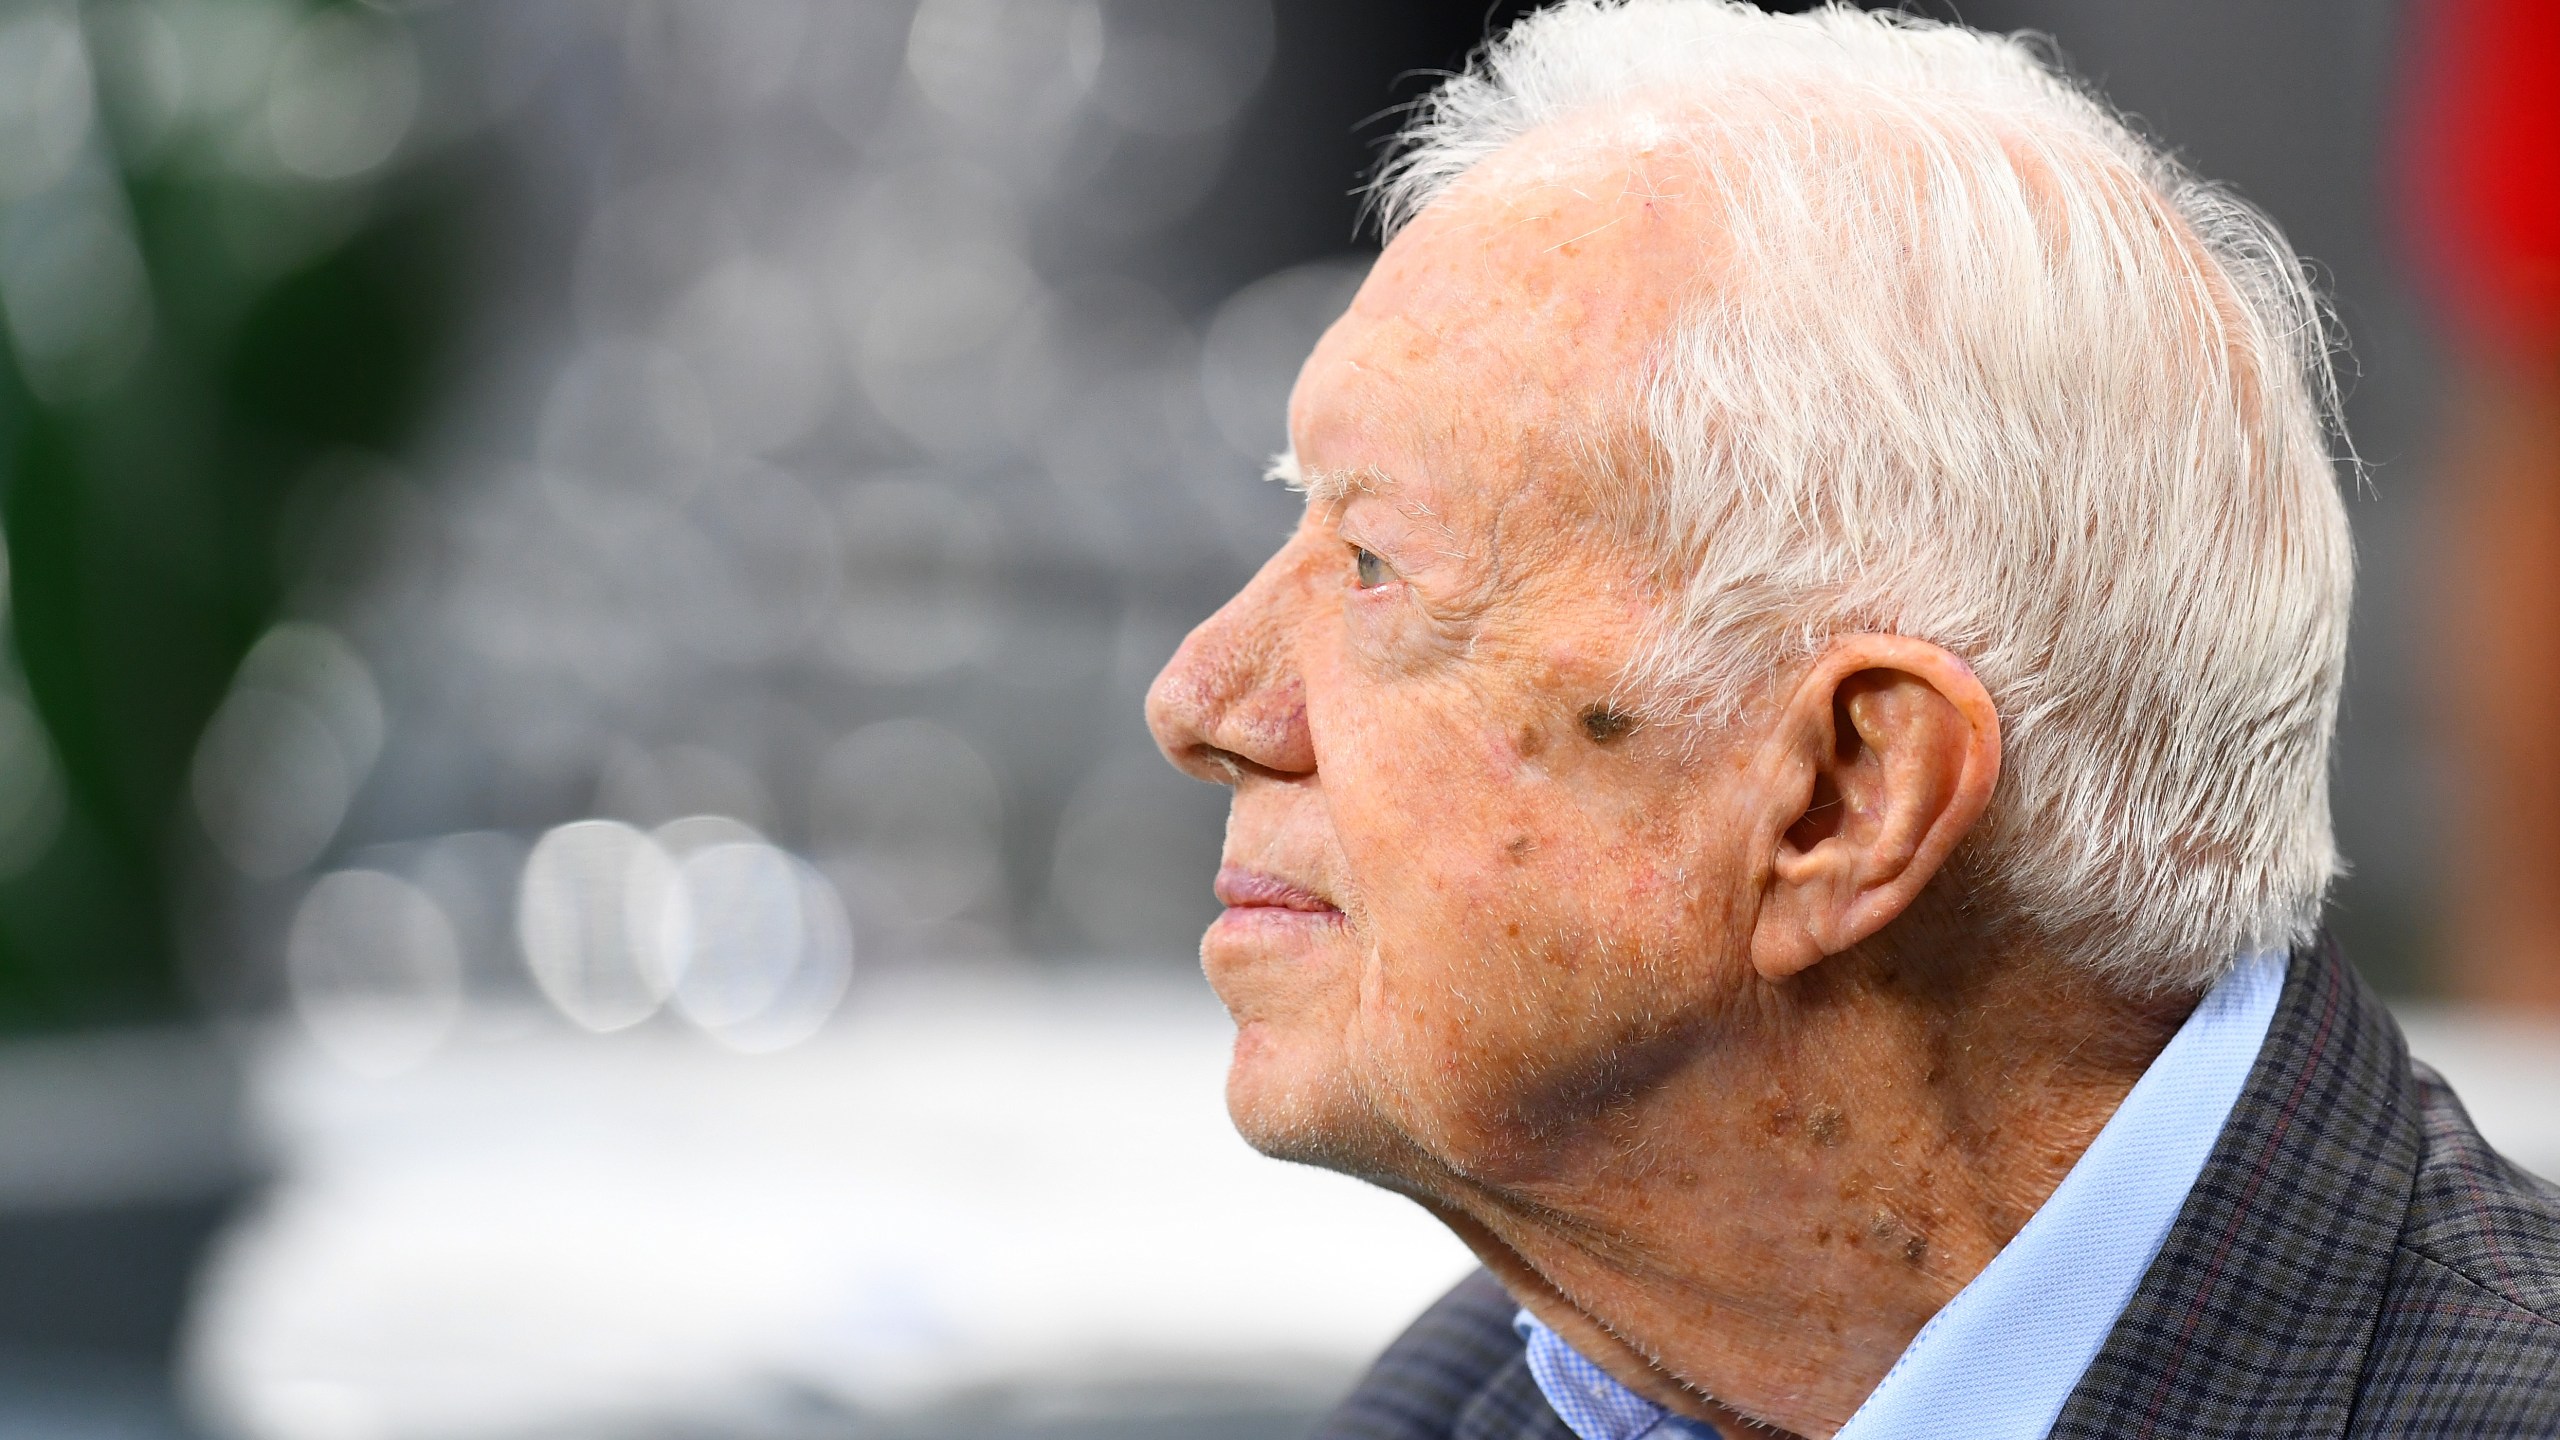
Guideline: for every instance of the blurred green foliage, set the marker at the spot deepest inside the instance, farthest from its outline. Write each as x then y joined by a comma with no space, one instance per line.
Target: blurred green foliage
285,318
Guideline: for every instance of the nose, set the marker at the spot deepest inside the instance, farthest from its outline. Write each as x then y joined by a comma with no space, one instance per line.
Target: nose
1232,701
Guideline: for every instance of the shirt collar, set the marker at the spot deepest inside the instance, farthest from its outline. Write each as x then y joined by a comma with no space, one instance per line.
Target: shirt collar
1998,1361
1591,1405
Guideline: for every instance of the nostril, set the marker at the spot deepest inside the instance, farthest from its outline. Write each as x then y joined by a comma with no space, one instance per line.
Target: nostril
1228,706
1223,766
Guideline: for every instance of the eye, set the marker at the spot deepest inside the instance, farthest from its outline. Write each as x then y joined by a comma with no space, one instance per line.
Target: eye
1371,570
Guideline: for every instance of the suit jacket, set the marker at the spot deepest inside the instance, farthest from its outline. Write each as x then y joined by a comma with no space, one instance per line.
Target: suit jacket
2353,1261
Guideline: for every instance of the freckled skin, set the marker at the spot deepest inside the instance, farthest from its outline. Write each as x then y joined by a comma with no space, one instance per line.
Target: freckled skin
1688,1067
1826,1125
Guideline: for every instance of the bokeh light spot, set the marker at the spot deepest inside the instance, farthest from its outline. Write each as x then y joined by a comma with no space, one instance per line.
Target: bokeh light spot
603,923
344,94
374,971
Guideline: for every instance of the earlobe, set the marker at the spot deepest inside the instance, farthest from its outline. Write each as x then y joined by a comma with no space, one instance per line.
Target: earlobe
1783,946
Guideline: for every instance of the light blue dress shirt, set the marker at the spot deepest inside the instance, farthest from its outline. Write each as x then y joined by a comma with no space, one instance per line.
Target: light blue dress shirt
2000,1359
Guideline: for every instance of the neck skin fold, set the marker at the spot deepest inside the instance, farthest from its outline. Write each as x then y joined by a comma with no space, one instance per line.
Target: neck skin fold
1755,1238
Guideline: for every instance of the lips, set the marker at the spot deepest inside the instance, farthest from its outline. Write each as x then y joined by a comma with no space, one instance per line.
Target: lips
1241,889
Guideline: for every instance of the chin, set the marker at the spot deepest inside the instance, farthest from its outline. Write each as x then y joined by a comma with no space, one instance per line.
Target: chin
1292,1103
1278,1094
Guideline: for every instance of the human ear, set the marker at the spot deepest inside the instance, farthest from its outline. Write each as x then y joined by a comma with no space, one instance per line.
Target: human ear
1884,758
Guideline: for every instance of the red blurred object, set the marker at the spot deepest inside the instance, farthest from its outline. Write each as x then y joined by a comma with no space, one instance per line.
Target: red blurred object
2481,168
2479,176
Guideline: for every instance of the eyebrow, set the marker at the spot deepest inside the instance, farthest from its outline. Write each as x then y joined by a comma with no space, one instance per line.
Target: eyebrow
1326,485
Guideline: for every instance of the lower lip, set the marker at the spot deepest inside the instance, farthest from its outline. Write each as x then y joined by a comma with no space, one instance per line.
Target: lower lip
1258,917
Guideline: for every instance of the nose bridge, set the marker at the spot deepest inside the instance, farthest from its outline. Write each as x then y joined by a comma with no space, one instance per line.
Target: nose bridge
1233,691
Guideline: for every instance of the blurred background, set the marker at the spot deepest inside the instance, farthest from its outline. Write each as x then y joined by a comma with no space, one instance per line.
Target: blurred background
577,850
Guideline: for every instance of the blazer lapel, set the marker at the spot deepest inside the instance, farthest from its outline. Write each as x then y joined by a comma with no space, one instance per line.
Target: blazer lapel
2254,1318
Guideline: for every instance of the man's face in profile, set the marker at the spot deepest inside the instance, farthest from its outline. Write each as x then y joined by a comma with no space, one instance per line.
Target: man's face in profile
1466,886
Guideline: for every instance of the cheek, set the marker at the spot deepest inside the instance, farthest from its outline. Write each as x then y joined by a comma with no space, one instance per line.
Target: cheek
1473,842
1531,927
1438,816
1475,870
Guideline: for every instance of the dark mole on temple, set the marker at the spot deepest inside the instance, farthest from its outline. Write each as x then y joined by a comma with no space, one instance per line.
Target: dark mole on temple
1604,723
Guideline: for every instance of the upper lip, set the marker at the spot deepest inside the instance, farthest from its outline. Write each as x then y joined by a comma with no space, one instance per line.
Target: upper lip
1239,888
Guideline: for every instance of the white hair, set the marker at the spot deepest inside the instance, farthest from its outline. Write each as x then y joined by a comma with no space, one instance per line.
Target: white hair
1976,364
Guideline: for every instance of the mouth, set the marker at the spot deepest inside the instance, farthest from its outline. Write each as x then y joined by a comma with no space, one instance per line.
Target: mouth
1260,894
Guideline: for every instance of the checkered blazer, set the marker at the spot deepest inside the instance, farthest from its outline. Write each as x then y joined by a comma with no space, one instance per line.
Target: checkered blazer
2353,1261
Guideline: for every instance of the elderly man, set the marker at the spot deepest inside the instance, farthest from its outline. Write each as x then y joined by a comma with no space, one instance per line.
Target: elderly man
1779,785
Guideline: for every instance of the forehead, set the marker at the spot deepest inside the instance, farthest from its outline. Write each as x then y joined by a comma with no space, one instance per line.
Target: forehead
1512,320
1532,290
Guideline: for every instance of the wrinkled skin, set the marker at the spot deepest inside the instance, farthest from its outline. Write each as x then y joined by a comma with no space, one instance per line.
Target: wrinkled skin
1621,997
1451,402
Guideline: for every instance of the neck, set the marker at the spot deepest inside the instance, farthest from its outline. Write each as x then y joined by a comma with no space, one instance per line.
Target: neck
1754,1240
